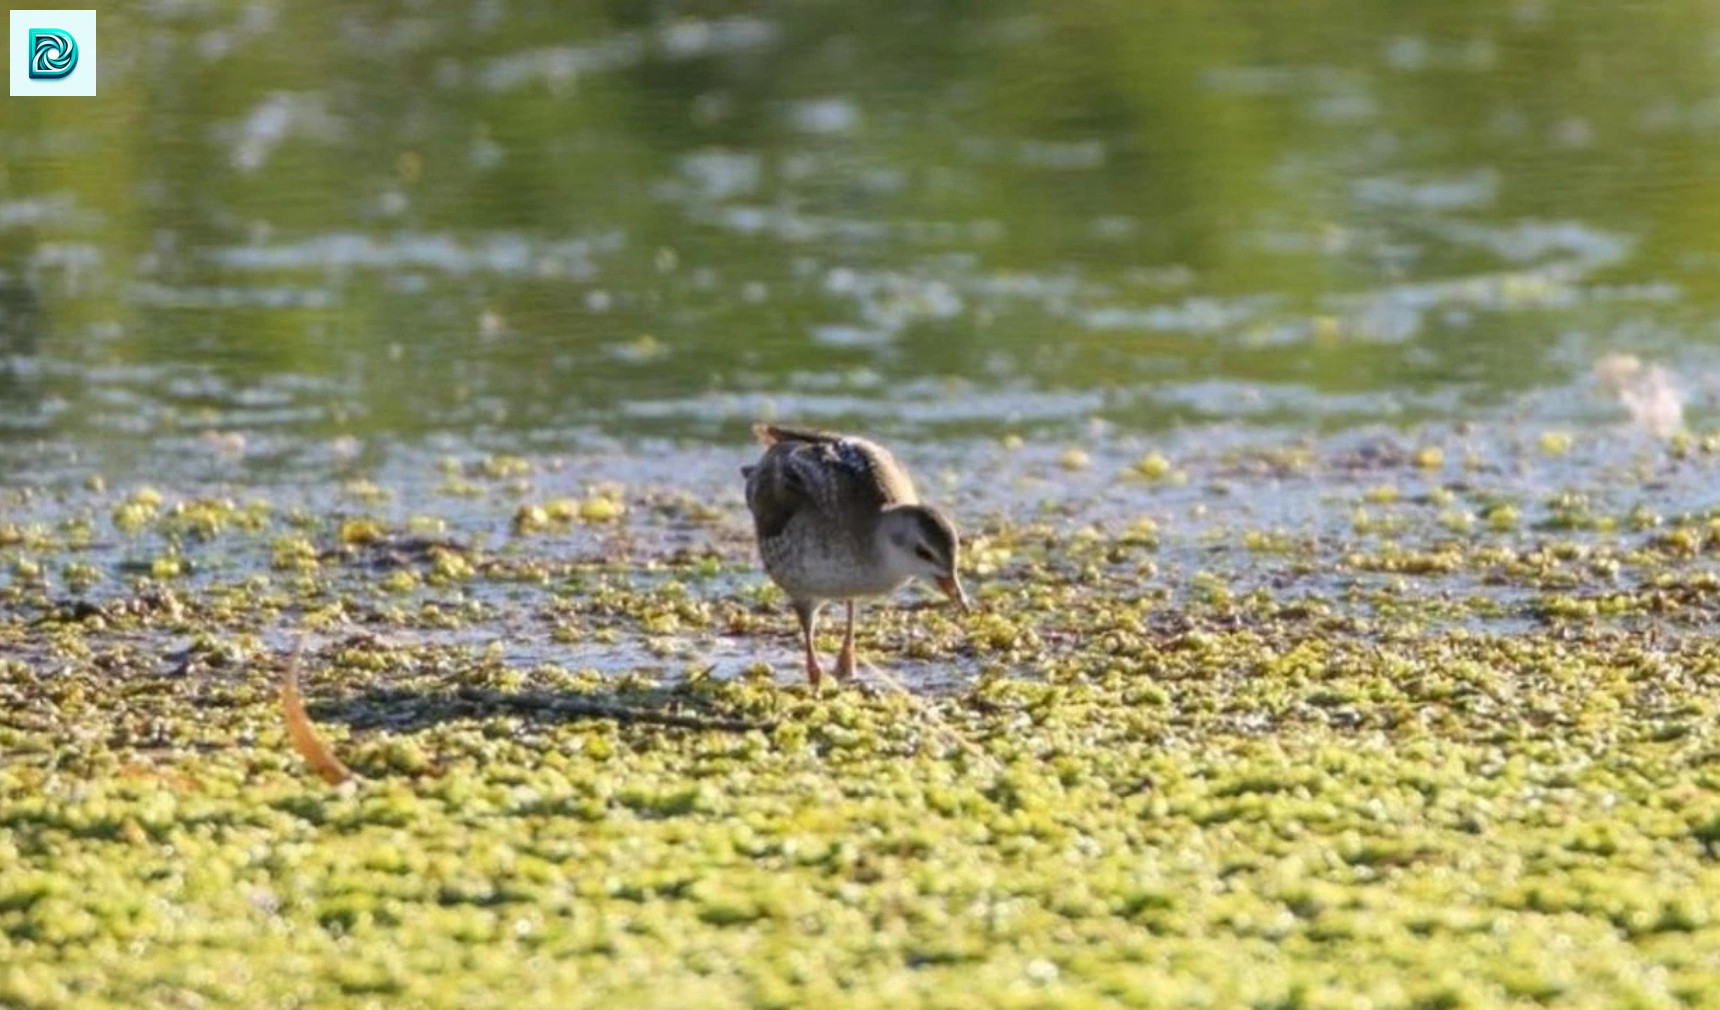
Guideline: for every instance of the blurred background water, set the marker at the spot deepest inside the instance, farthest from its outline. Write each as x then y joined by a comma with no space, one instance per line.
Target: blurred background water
289,237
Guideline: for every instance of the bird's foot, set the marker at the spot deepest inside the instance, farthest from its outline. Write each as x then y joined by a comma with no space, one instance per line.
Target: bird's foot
845,664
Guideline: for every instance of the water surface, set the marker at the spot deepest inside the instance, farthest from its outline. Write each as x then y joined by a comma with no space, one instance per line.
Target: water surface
305,239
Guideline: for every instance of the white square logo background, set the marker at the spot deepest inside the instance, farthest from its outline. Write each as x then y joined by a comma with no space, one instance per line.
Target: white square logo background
82,26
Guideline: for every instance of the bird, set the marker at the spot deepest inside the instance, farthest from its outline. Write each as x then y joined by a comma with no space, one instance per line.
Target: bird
837,519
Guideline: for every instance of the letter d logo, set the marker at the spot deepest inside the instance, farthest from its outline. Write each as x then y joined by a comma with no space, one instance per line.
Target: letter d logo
53,53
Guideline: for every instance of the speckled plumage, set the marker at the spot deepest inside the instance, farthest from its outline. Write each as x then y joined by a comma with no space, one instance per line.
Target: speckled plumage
815,499
819,502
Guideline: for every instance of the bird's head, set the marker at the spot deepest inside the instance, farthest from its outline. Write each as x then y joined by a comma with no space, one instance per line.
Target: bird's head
922,543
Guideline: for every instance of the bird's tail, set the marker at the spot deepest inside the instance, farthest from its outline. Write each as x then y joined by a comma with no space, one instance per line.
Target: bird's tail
770,434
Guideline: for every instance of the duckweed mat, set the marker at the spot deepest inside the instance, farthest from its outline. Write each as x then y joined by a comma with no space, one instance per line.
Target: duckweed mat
1389,722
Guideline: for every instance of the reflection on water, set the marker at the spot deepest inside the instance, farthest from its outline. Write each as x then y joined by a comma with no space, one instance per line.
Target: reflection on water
488,224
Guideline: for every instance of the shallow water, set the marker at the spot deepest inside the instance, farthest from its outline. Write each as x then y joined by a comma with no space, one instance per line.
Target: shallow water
299,240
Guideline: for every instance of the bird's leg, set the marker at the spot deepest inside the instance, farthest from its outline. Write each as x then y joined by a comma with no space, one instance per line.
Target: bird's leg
845,660
807,612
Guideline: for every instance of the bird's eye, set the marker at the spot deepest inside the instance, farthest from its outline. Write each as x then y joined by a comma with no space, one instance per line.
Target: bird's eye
924,554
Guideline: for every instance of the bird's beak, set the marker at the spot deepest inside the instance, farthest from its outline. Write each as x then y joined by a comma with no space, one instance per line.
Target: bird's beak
952,587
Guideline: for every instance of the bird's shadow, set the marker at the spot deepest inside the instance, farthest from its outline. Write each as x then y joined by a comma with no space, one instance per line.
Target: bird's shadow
407,710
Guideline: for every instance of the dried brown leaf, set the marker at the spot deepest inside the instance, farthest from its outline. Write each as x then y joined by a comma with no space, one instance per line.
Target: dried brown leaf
299,729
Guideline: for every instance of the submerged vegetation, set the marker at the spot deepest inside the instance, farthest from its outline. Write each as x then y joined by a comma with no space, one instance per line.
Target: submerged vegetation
1344,724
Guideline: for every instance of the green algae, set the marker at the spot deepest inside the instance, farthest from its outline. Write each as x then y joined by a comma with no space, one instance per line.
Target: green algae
1185,754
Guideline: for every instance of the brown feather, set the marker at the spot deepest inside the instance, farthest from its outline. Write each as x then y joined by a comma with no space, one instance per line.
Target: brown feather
772,434
772,500
847,480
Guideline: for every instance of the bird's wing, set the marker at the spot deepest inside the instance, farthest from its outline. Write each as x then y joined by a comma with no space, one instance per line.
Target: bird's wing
773,496
833,473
